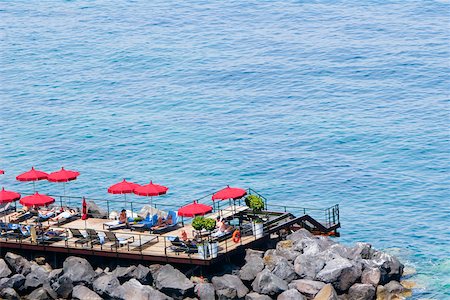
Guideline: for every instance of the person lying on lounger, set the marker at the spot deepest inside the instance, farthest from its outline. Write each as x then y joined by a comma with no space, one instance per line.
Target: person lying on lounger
163,223
64,215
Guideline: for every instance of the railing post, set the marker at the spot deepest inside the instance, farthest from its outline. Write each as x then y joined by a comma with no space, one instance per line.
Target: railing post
107,207
60,201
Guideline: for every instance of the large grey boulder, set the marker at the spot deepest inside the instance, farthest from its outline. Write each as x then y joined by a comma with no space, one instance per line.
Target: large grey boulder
268,283
389,265
78,269
363,251
38,294
256,296
172,282
36,278
341,273
205,291
307,266
106,285
307,287
371,276
133,289
50,292
284,269
250,252
299,235
142,274
63,287
17,282
360,291
286,250
291,294
254,265
18,264
124,273
96,211
327,293
9,294
54,275
80,292
394,287
5,271
229,287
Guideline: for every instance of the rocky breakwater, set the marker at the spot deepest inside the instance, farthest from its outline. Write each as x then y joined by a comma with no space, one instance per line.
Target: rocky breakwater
301,267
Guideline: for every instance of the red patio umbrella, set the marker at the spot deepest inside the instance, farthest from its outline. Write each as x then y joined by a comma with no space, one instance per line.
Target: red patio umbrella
36,200
229,193
2,172
124,187
63,176
8,196
32,175
194,209
151,190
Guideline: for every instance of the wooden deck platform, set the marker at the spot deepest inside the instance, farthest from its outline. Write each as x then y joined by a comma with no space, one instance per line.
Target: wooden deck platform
144,246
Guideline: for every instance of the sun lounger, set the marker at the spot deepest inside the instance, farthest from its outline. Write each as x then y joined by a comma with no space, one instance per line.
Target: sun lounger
116,242
47,237
144,242
80,239
114,225
6,209
179,246
170,227
20,217
145,224
93,236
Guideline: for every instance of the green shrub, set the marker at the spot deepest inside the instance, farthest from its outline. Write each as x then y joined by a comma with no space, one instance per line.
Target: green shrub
209,224
254,202
198,223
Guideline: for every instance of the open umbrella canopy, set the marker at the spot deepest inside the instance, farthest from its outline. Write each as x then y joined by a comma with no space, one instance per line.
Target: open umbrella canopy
36,200
194,209
123,187
229,193
32,175
2,172
151,190
8,196
63,175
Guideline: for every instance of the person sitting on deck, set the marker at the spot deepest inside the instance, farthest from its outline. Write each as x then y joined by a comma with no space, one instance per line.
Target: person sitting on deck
123,219
163,223
221,228
184,237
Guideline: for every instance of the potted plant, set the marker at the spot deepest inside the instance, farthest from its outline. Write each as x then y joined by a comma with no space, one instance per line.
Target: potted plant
213,247
198,223
256,203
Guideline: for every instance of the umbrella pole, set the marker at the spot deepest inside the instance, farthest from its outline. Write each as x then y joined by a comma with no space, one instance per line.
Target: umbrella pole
64,191
34,186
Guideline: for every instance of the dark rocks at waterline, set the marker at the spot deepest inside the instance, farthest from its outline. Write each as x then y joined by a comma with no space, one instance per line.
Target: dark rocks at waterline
302,267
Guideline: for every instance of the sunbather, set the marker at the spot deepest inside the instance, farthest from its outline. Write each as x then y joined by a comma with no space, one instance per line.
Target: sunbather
64,215
123,219
163,223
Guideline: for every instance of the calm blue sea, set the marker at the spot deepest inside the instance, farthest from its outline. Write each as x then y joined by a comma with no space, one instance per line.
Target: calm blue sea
311,103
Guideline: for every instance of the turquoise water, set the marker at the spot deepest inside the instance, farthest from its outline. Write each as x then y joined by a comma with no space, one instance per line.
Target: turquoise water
311,103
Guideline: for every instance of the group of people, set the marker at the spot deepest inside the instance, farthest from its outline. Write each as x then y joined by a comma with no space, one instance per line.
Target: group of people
160,223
